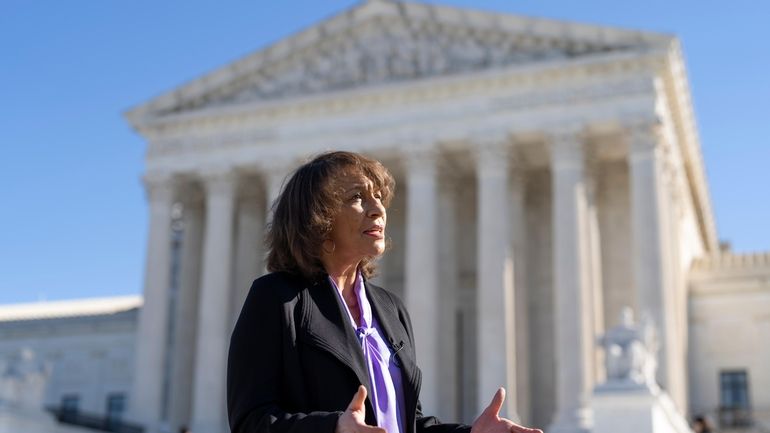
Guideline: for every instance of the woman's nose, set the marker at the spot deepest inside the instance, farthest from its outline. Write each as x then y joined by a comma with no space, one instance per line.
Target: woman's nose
376,209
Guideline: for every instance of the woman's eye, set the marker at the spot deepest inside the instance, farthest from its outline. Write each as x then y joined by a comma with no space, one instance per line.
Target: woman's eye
357,196
378,196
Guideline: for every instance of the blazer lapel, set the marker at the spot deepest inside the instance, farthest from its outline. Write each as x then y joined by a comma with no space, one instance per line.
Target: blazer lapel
328,328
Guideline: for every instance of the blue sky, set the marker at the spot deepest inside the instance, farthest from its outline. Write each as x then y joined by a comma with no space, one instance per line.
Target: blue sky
73,220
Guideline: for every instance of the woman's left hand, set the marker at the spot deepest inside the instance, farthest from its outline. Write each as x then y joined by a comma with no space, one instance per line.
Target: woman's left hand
490,422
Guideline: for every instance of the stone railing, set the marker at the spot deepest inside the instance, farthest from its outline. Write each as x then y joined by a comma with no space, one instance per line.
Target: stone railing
733,261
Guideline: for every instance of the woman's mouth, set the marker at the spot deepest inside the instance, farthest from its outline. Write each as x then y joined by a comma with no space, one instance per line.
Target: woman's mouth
375,232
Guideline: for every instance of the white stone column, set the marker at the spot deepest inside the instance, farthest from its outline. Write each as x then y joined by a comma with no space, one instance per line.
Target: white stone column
249,247
571,268
421,275
213,318
596,295
650,253
151,334
446,220
495,278
517,218
186,315
274,178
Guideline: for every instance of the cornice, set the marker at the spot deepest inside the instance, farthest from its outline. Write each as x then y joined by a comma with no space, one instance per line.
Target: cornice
731,273
95,307
733,261
687,132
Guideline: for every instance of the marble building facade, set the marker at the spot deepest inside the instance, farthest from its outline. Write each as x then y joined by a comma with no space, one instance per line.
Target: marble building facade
548,175
85,349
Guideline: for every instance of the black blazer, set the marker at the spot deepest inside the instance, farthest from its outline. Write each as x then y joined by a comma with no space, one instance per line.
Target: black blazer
295,362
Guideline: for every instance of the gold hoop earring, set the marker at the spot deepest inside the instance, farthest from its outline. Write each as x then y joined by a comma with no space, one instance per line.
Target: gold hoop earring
326,250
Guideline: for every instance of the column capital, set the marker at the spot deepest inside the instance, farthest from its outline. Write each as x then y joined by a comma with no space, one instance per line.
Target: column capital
645,135
492,151
566,145
493,138
274,172
219,180
159,187
421,160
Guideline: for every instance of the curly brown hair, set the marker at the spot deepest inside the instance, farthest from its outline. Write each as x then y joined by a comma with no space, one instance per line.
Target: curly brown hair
307,205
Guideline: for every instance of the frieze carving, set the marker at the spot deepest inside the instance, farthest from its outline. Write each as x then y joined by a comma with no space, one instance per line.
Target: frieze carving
385,49
540,98
200,144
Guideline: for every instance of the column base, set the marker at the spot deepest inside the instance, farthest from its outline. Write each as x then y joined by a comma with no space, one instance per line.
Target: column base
572,421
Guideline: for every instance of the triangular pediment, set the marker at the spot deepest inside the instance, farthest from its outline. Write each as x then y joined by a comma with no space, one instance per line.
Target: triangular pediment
380,41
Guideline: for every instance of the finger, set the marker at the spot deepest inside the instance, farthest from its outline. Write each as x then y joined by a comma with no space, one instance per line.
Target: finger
357,403
519,428
515,428
370,429
496,403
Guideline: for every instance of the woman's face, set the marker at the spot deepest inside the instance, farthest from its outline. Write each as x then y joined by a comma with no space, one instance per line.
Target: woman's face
358,230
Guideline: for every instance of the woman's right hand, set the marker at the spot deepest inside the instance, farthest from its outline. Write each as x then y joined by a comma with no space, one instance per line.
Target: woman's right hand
490,422
353,420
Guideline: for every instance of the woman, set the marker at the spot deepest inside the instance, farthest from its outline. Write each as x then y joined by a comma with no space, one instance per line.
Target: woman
317,348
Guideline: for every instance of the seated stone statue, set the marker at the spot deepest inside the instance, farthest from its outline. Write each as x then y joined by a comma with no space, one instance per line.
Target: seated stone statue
630,352
23,380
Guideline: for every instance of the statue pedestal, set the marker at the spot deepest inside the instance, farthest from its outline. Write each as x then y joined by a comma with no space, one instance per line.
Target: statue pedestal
635,408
